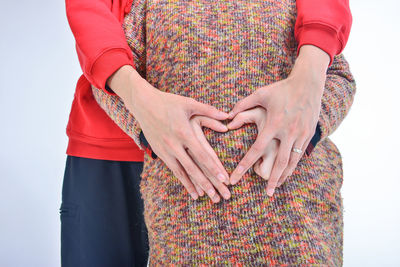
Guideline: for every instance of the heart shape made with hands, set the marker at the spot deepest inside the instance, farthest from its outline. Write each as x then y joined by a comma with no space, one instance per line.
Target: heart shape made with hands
285,107
257,115
265,163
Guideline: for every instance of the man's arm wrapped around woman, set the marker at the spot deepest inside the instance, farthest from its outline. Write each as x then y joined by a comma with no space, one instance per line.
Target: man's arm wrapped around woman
337,98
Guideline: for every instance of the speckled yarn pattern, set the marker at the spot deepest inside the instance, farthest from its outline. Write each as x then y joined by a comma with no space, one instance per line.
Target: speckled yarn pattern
218,52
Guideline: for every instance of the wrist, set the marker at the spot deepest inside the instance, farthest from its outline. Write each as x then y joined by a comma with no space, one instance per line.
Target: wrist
314,58
119,81
125,82
141,93
311,65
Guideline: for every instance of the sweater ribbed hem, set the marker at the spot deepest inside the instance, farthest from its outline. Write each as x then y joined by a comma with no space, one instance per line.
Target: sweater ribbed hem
105,149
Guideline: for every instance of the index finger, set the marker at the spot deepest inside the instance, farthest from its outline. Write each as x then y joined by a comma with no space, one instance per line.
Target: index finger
207,160
203,140
254,153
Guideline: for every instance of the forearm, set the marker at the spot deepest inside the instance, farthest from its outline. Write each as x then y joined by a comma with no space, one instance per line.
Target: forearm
323,23
334,86
125,83
338,96
312,62
335,90
115,108
100,40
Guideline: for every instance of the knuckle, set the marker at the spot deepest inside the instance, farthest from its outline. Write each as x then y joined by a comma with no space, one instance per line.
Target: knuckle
190,170
273,182
281,162
178,173
202,158
206,186
258,148
292,163
166,140
181,133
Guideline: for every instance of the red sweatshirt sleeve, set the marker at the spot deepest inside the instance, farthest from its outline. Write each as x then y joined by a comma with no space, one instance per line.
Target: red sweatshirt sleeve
100,40
323,23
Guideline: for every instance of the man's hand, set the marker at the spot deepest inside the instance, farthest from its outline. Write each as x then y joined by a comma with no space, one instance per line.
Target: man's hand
293,107
168,121
198,122
264,164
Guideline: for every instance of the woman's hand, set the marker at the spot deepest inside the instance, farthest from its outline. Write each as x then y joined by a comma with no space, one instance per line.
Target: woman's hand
197,122
293,107
166,121
264,164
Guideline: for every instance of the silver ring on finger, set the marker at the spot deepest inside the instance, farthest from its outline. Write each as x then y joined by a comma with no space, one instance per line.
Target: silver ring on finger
297,150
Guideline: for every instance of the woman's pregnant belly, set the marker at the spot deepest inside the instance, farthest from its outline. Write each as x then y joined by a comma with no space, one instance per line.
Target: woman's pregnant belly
230,147
177,224
167,200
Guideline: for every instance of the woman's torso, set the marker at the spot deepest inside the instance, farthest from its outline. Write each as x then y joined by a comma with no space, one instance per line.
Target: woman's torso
218,52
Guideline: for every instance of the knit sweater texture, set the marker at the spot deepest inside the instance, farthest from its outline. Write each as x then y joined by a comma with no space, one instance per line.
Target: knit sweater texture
219,52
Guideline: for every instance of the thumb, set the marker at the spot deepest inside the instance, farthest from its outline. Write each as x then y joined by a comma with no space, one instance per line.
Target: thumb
266,166
213,124
198,108
244,117
245,103
256,166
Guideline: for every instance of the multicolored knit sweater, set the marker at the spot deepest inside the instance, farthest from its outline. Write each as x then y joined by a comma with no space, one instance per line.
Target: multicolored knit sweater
218,52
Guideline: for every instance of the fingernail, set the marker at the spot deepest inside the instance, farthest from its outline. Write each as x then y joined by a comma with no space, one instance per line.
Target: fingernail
226,179
270,191
201,193
194,195
211,192
221,177
226,195
240,169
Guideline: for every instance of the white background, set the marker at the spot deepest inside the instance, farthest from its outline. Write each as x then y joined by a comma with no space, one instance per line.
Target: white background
38,73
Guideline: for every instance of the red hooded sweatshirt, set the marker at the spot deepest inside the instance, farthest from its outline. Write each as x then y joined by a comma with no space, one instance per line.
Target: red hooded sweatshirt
102,49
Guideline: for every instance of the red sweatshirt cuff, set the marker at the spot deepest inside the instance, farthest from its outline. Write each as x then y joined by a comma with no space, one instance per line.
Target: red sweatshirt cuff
108,63
322,36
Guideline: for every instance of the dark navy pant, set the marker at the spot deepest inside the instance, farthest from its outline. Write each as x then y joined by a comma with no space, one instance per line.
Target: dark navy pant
101,214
